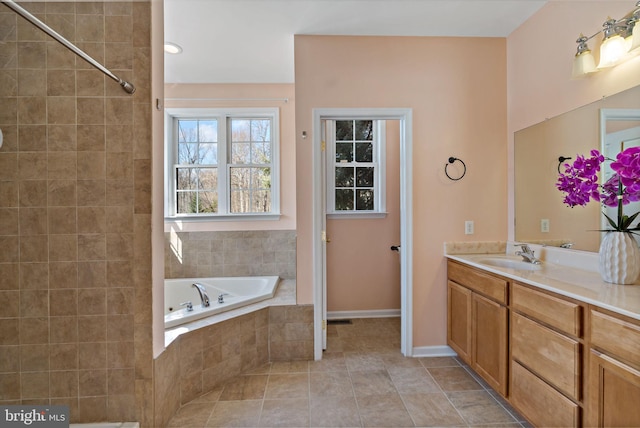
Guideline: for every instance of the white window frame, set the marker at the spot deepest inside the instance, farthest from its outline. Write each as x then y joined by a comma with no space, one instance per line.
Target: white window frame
379,163
222,115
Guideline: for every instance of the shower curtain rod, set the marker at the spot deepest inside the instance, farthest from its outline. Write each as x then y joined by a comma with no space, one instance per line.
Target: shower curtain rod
127,86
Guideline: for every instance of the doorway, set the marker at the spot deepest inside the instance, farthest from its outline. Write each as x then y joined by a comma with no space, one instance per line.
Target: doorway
363,229
404,118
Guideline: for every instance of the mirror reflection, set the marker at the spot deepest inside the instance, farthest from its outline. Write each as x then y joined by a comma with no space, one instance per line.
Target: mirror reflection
540,214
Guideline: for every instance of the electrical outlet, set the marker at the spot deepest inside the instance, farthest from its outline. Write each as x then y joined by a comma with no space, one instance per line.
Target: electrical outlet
468,227
544,225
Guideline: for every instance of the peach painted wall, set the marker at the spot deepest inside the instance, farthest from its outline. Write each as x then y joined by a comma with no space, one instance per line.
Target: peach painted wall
539,61
456,88
362,271
280,96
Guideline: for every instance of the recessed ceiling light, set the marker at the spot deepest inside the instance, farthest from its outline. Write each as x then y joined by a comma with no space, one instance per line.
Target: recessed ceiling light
172,48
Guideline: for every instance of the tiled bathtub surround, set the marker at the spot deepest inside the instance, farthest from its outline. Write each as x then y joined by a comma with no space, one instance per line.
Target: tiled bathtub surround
75,211
362,381
216,254
201,360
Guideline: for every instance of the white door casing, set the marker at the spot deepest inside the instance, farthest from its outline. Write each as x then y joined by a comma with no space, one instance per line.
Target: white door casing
404,115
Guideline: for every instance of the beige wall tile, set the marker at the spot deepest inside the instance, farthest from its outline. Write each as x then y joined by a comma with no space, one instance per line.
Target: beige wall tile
64,329
9,221
89,28
8,166
62,137
63,302
33,138
91,111
92,328
61,83
92,409
92,301
9,276
90,83
91,247
8,193
63,356
32,54
63,275
33,193
32,165
9,249
34,248
34,384
91,138
8,83
63,248
91,192
91,220
59,57
64,383
92,382
62,193
62,165
34,303
92,274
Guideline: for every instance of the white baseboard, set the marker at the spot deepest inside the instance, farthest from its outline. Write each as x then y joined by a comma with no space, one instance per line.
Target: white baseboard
433,351
378,313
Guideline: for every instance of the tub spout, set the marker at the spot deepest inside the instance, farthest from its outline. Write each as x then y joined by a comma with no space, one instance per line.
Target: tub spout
204,297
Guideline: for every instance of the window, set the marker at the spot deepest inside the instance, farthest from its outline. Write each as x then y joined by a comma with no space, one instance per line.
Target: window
356,168
222,164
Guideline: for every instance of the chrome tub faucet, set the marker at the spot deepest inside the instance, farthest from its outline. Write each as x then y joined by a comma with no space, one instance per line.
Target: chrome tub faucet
204,297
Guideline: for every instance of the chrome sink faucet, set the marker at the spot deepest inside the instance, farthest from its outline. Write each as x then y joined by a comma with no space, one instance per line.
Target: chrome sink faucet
204,297
527,254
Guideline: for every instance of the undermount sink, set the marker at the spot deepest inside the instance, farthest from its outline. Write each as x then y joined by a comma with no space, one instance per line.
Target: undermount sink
504,262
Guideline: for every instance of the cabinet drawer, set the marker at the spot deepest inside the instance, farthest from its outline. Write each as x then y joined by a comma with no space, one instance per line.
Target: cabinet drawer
542,405
620,337
491,286
564,315
551,355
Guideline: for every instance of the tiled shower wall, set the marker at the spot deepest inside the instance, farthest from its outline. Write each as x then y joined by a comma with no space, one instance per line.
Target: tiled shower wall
243,253
75,171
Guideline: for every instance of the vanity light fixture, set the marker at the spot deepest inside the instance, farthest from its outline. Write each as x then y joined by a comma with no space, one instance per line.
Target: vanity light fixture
172,48
621,41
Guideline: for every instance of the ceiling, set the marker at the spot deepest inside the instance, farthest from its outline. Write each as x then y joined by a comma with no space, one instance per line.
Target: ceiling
251,41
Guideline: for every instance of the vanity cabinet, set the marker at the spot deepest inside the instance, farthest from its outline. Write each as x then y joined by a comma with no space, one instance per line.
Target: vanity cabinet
477,321
613,390
558,361
546,357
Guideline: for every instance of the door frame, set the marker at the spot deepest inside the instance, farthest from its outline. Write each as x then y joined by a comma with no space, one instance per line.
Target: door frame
405,116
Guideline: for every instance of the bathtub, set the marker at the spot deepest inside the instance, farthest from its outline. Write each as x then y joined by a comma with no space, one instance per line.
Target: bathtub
236,291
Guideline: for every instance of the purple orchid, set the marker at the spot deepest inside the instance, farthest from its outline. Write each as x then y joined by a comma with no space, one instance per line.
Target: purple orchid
580,184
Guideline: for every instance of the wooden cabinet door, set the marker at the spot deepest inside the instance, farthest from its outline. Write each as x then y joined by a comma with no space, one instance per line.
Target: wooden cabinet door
613,394
489,344
459,320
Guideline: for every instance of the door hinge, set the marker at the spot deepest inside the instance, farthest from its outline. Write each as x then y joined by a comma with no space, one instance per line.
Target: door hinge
324,235
324,324
323,145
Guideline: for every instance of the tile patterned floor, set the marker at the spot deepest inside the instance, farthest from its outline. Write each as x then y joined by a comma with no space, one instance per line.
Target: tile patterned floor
362,381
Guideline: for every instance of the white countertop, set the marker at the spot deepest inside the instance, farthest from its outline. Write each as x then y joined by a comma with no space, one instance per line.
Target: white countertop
585,285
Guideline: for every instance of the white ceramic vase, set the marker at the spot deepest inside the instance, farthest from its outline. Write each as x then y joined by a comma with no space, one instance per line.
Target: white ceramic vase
619,258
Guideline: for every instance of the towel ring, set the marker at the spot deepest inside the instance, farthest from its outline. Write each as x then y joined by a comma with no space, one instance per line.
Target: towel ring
560,160
452,160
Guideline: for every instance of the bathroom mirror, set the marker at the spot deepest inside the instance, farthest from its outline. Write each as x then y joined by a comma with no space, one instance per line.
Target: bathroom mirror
540,214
